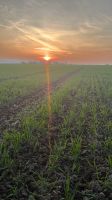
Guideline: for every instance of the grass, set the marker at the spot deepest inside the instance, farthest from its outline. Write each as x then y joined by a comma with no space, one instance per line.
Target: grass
19,80
79,163
109,160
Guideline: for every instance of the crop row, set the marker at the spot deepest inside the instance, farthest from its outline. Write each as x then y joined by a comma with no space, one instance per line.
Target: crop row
78,162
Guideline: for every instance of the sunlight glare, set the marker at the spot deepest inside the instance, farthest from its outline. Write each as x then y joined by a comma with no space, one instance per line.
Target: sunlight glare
47,58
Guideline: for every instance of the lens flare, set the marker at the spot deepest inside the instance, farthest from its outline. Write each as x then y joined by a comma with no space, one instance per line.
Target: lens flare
49,89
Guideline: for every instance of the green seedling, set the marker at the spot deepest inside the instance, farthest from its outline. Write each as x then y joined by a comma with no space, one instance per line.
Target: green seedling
109,160
69,195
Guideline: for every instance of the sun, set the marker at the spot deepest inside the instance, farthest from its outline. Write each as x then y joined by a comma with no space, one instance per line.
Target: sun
47,58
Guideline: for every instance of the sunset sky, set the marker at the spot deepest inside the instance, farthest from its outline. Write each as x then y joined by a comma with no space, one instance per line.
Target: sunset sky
78,31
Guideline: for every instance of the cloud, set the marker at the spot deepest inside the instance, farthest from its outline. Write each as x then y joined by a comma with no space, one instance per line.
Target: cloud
58,27
52,40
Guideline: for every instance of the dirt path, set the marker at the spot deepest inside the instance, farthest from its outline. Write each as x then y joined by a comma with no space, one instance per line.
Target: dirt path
65,172
8,112
37,159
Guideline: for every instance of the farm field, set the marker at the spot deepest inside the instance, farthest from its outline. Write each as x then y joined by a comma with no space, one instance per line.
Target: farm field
64,153
19,80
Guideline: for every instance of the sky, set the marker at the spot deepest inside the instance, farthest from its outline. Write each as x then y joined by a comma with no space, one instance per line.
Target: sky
76,31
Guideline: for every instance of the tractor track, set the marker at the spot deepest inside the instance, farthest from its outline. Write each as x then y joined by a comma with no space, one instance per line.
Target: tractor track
8,112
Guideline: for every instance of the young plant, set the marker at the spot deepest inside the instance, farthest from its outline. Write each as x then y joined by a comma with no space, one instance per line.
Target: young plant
75,152
69,195
56,153
76,147
5,160
109,160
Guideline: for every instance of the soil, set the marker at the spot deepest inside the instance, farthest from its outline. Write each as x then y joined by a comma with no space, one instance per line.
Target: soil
92,181
8,113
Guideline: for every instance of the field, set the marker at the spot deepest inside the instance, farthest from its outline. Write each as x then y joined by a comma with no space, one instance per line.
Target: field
55,144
